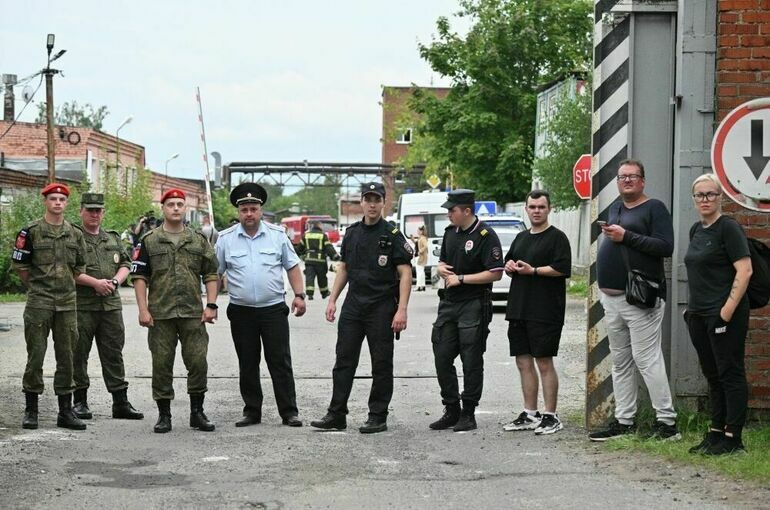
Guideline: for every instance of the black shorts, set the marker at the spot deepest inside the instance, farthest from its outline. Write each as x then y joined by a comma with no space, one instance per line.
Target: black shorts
538,339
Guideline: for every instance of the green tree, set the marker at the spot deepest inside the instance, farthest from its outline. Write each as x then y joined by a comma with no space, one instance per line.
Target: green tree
569,136
124,206
483,132
73,114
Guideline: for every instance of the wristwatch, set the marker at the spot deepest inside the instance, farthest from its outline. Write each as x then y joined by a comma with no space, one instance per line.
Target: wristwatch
213,306
461,278
115,282
301,295
535,273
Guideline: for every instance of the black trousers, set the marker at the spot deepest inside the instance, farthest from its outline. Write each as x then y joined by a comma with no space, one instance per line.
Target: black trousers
720,347
270,324
460,330
315,270
374,323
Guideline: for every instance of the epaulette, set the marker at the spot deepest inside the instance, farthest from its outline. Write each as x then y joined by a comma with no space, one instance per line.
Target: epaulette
113,232
273,226
79,227
484,232
228,230
356,224
146,234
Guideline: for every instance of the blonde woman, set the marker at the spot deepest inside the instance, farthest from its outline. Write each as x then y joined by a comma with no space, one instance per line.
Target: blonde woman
718,269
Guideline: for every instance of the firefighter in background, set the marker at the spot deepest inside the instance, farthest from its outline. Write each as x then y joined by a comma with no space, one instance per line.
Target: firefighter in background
315,248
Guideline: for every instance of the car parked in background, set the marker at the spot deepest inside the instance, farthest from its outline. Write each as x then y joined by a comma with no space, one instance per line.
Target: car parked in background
501,287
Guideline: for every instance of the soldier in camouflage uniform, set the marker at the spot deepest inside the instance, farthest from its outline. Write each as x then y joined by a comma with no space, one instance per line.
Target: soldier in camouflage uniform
49,258
171,260
101,315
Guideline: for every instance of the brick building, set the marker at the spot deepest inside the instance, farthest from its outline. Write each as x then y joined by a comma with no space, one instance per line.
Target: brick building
743,73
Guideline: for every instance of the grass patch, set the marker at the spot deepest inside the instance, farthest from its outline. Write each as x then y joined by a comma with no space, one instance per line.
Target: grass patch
12,298
577,286
754,465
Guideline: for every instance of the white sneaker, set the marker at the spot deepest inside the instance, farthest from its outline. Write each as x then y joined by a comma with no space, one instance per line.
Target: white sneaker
549,425
524,422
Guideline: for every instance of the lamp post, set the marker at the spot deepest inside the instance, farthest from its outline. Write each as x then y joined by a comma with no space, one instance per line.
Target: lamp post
117,149
48,72
165,183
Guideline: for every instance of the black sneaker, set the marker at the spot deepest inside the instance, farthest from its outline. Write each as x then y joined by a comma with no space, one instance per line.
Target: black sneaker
525,421
550,424
725,446
664,432
710,438
615,429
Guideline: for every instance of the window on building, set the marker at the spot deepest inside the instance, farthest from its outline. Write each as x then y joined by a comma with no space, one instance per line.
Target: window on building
405,136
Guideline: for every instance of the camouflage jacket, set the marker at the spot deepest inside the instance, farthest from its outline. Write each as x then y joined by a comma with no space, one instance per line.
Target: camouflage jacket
173,272
53,256
105,254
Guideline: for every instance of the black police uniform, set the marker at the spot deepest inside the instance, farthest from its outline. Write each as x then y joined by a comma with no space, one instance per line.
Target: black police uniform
464,312
371,254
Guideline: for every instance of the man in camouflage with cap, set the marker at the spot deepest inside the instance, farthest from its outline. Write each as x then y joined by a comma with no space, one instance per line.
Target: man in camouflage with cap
170,260
49,257
101,315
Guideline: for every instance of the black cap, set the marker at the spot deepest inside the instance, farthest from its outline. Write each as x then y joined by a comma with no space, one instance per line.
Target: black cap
373,187
460,197
248,193
92,201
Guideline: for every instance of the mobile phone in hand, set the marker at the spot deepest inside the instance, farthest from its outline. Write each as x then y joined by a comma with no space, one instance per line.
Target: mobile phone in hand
601,223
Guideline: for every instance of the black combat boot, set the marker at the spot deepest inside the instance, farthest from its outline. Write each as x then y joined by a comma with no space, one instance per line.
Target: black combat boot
80,408
30,411
198,419
467,419
122,408
67,418
163,424
449,419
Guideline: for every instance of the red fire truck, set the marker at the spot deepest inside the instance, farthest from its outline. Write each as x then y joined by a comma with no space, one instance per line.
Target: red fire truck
296,225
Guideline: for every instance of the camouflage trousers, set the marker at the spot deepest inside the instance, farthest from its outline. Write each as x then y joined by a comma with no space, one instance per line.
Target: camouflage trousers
38,323
107,328
162,338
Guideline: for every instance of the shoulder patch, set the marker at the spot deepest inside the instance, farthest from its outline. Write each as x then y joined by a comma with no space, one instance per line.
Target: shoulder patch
484,232
394,231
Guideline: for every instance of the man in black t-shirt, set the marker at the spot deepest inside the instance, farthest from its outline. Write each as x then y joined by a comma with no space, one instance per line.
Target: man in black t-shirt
638,227
471,259
376,261
539,263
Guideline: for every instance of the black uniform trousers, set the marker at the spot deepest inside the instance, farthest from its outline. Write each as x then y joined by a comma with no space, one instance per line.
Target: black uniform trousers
720,348
269,324
460,329
374,323
315,270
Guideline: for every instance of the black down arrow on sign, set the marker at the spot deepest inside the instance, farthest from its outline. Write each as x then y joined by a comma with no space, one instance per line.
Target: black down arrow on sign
757,161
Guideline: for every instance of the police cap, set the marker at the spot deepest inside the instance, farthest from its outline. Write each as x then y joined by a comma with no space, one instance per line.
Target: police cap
92,201
460,197
373,187
248,193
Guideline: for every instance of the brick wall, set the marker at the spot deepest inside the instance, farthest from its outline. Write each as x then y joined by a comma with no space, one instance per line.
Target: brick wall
743,73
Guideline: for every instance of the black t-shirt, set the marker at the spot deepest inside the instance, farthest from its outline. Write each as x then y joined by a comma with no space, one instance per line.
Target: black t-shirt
649,238
371,254
539,298
470,251
709,260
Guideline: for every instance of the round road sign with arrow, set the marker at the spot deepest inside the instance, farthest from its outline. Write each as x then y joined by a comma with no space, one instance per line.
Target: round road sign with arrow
740,153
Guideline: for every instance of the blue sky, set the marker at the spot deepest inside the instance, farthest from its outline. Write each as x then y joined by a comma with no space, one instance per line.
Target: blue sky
280,81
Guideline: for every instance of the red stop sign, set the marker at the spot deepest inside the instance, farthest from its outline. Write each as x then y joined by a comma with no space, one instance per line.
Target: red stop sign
581,176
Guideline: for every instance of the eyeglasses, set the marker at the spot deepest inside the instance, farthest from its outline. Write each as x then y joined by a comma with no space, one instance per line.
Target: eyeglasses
705,197
537,207
630,177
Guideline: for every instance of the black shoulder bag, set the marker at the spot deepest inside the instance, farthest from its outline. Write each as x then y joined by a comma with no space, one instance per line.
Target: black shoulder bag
641,289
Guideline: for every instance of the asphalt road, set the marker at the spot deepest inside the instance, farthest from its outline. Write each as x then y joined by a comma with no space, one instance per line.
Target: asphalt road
119,464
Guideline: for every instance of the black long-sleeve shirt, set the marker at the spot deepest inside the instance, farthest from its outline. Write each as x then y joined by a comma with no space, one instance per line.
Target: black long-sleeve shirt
649,238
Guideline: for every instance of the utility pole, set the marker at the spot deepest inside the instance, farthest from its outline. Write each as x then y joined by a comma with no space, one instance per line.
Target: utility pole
49,109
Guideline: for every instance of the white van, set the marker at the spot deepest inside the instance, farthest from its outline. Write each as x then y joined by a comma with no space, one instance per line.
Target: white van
416,209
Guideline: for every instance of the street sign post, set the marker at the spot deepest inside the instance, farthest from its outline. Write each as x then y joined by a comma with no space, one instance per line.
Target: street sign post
486,207
740,152
581,176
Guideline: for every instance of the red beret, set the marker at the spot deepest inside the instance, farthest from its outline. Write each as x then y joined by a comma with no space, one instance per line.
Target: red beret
55,187
172,193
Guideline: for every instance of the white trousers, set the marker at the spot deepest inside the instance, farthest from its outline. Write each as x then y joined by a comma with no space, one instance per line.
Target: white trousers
635,337
420,270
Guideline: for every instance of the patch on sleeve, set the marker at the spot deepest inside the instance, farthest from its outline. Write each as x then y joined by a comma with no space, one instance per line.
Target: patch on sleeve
408,248
22,249
137,250
497,253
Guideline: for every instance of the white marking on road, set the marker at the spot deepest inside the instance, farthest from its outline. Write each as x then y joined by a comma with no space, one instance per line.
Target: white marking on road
45,435
389,462
214,459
